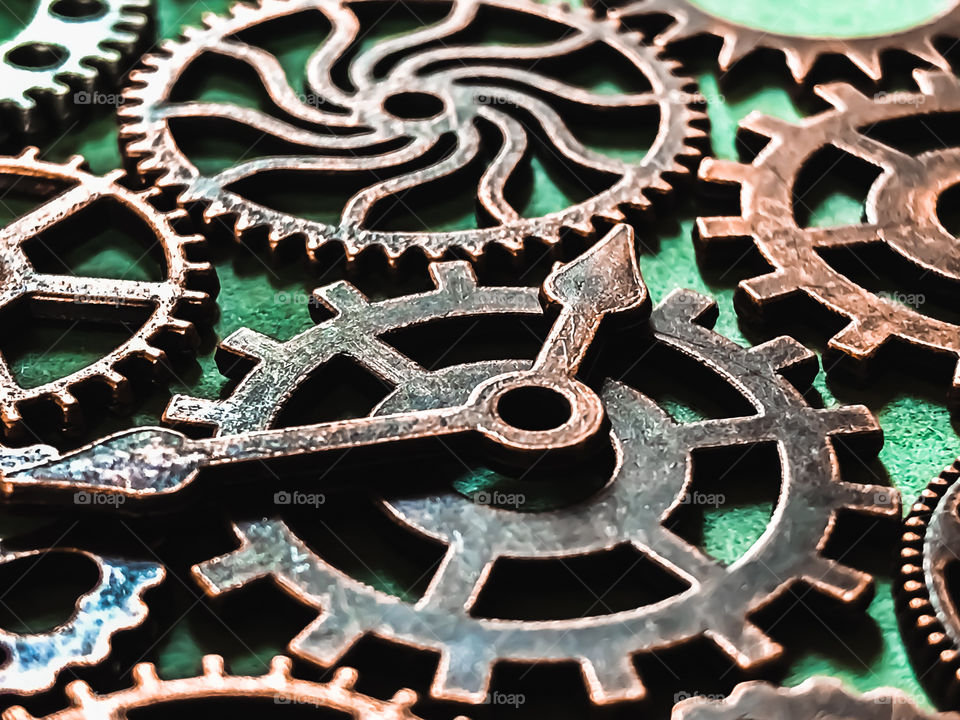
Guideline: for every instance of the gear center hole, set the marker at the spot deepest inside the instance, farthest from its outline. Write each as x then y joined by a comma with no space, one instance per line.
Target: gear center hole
37,56
413,105
533,408
948,210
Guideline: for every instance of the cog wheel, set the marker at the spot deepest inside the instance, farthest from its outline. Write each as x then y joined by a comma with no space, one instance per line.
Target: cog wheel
901,212
929,544
115,603
815,699
94,299
387,132
278,685
650,480
801,52
62,50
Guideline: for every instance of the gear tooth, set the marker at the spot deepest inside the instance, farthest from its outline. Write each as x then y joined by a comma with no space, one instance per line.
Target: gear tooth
326,639
937,83
784,353
213,666
722,227
184,409
843,96
229,571
456,277
799,61
869,499
732,52
926,51
685,305
281,668
250,343
612,680
464,673
17,712
404,699
767,125
724,172
79,693
770,287
29,153
868,61
145,675
747,645
345,677
843,584
340,297
858,340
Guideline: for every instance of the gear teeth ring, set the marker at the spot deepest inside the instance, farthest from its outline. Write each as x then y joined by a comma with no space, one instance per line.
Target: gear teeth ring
901,213
653,458
150,144
84,298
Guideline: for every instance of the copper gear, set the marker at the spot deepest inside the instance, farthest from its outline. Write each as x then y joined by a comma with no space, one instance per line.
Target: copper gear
901,211
86,298
801,52
277,685
649,481
149,141
820,698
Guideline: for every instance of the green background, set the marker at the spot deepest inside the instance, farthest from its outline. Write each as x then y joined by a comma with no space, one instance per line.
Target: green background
920,437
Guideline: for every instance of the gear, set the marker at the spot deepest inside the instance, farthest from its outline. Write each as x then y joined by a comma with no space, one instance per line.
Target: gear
650,481
93,298
801,52
930,542
278,686
442,92
63,49
33,661
815,699
901,212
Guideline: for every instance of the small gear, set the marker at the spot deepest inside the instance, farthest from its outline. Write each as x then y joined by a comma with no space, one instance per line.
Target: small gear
93,298
449,90
115,603
800,51
650,481
901,212
815,699
62,50
277,686
930,543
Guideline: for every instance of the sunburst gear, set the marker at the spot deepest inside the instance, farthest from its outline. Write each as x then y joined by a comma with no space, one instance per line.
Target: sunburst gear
901,212
801,52
385,129
187,287
277,686
115,603
650,481
55,61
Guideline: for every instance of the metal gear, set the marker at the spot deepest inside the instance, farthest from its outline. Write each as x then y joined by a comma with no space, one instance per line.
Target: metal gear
819,698
801,52
929,547
93,298
62,50
651,479
115,603
345,132
901,212
278,686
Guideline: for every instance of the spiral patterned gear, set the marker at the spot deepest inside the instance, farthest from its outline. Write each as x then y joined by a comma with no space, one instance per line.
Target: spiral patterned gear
901,212
353,133
278,686
651,479
64,48
94,298
801,52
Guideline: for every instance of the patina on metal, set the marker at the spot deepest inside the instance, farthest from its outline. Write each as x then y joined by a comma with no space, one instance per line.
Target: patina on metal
347,130
901,212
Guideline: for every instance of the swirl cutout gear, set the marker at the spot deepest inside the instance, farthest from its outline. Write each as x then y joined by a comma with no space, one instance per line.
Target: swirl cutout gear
115,603
186,289
62,52
651,477
349,134
818,698
901,213
277,686
801,52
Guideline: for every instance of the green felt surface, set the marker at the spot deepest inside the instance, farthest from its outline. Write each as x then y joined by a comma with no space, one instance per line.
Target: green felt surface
919,434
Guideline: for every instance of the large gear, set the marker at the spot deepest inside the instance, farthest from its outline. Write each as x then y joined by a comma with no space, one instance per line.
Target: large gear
63,49
115,603
901,212
800,51
346,132
277,686
93,298
651,478
815,699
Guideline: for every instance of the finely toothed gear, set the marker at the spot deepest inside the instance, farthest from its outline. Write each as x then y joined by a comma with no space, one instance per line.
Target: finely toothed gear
425,108
57,58
901,213
115,603
651,478
70,190
801,52
819,698
277,686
